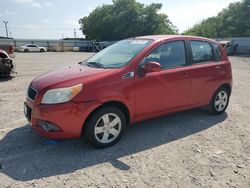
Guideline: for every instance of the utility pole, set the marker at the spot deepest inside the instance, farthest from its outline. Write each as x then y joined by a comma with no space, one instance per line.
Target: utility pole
62,44
10,34
6,28
75,33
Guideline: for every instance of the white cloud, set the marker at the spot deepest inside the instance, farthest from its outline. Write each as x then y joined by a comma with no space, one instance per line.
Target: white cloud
187,15
36,4
46,21
9,13
49,3
23,1
90,9
72,21
33,3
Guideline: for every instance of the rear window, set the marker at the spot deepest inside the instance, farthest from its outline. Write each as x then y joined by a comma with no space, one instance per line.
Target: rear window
201,52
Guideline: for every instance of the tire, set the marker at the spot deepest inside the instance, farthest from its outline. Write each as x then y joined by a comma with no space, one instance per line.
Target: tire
101,132
26,50
42,50
219,101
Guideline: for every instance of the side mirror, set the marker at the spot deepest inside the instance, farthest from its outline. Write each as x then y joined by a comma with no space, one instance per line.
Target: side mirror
151,66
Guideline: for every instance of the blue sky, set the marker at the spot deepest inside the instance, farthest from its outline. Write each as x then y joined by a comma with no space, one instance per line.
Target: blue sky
48,19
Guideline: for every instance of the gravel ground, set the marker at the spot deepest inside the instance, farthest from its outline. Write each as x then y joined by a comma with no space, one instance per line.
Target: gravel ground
187,149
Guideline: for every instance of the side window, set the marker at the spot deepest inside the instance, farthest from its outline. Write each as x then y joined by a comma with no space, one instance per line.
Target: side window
169,55
217,52
201,52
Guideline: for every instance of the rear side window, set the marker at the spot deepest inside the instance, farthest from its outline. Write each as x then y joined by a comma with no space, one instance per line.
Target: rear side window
169,55
217,52
201,52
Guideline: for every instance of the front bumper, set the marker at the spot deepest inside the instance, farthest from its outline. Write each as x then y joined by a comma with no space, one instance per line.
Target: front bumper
68,117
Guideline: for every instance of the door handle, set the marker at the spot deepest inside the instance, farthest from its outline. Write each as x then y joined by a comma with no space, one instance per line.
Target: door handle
184,73
217,67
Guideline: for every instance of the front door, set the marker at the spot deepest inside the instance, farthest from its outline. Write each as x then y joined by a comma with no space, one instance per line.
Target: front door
168,89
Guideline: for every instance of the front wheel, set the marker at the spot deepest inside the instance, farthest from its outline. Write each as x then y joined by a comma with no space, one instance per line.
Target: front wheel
219,101
105,127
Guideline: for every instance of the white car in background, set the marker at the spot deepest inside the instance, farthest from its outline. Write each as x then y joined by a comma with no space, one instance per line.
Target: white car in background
32,48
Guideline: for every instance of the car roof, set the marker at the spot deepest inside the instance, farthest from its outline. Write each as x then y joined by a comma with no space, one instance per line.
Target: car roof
166,37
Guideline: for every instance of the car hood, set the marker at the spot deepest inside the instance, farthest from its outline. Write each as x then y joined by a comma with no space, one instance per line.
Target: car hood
69,76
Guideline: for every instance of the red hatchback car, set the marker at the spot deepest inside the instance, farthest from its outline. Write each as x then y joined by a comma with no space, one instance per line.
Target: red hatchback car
132,80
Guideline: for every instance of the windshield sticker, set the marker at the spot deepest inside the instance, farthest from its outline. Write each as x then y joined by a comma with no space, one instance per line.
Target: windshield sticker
139,42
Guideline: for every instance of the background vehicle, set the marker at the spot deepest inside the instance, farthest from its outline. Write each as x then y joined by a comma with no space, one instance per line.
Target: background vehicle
8,48
133,80
229,46
6,63
32,48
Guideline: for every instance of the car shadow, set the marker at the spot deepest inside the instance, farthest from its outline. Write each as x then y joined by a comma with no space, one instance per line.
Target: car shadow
5,78
26,156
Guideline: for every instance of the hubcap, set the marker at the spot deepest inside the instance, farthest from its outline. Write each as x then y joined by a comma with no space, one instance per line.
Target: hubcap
107,128
221,101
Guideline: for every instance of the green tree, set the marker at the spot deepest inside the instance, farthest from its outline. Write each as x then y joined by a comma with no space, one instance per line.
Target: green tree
124,19
233,21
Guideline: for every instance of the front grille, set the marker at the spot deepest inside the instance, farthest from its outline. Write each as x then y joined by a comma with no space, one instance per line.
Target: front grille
31,93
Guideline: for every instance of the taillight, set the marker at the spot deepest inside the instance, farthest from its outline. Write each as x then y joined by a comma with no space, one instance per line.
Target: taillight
11,50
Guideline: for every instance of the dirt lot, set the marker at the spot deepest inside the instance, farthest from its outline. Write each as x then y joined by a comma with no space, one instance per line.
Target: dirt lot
188,149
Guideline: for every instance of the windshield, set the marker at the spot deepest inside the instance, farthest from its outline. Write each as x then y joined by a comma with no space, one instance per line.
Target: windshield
120,53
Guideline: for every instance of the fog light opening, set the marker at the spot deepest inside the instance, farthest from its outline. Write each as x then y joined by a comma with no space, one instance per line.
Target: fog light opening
48,126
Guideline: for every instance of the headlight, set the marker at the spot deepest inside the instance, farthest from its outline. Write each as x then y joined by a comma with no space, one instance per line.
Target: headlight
61,95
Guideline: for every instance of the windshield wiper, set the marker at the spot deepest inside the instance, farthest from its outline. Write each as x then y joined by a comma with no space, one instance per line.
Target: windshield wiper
93,64
83,63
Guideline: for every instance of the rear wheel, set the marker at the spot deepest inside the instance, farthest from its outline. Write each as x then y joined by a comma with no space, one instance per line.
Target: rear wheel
42,50
219,101
105,127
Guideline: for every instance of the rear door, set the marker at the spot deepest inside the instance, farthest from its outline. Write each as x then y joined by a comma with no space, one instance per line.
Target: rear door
205,71
168,89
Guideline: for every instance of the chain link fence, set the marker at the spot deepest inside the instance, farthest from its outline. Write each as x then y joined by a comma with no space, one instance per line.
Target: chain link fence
58,45
241,44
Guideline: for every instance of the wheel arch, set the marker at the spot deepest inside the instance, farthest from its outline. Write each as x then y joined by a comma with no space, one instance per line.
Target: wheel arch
120,105
227,86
